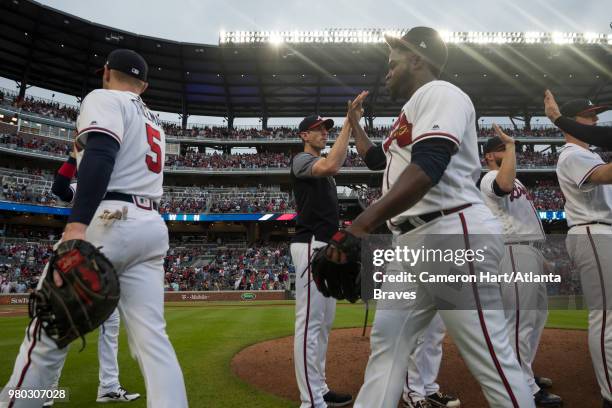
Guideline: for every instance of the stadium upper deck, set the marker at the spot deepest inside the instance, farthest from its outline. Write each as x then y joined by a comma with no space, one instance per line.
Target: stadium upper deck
251,75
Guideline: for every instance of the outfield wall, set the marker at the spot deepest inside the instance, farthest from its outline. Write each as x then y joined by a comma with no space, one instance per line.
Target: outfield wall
228,295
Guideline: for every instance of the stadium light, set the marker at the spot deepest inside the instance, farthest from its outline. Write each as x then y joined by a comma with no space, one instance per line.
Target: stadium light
377,36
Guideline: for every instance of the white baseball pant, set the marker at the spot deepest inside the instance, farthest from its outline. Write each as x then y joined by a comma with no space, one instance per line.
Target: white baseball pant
525,305
136,246
314,316
590,248
480,334
424,364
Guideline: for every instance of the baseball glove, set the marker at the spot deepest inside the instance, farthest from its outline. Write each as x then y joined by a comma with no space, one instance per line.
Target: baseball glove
88,295
339,280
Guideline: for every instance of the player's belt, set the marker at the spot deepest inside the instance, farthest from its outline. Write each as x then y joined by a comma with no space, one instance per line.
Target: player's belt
416,221
536,244
140,202
591,223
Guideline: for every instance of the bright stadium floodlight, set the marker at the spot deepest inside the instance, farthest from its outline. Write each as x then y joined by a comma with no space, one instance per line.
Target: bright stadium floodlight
376,36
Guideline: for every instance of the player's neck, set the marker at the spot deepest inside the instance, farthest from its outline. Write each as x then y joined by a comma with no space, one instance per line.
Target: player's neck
422,78
571,139
312,150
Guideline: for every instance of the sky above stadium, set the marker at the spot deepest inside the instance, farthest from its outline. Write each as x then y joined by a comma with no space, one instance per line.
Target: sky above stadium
200,21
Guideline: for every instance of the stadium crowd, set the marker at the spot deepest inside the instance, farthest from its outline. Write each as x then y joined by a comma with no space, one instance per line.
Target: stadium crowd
261,267
546,196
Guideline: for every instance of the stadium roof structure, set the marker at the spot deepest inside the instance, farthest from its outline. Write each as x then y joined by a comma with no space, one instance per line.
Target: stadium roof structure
283,74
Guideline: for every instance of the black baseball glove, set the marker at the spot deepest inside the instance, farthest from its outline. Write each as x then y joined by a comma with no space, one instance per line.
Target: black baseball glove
88,295
339,280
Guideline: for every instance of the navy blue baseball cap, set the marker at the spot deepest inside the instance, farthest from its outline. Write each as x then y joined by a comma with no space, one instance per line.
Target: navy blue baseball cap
312,121
493,144
581,107
423,41
129,62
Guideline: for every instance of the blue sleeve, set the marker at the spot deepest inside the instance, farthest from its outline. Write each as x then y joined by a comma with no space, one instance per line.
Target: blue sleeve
433,156
94,174
375,158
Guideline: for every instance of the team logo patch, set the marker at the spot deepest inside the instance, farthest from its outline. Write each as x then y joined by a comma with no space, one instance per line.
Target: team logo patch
401,131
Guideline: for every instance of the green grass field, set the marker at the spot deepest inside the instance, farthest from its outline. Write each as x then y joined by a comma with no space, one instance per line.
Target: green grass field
205,337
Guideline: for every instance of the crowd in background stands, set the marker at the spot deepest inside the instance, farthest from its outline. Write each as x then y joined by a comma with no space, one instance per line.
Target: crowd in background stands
536,132
51,109
24,193
262,267
249,205
236,161
189,205
36,143
546,196
21,265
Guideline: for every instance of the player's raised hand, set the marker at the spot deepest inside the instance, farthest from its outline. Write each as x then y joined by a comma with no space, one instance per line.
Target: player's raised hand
355,108
550,106
502,135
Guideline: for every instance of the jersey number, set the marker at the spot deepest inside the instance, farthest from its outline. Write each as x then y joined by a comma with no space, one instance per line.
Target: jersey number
154,163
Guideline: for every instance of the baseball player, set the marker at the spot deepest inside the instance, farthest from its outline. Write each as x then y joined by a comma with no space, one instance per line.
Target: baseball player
429,191
525,304
318,218
120,174
109,388
594,135
585,182
420,389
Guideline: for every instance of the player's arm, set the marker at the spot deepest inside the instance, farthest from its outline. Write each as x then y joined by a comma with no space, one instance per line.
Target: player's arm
504,180
330,165
442,116
600,136
430,158
94,175
601,174
61,182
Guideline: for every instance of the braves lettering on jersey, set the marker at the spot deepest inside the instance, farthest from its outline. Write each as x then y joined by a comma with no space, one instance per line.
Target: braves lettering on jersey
438,109
515,210
124,116
584,202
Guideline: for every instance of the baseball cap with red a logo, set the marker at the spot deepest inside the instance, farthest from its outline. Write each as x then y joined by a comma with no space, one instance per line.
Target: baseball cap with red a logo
312,121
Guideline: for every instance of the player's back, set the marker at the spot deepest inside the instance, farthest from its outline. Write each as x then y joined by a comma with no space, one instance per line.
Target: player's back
124,116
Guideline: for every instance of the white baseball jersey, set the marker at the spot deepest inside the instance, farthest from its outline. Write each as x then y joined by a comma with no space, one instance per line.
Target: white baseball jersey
139,165
515,210
438,109
584,202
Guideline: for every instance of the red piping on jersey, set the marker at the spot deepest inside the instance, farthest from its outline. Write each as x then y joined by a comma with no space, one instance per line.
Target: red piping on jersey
604,310
99,129
483,324
586,176
445,135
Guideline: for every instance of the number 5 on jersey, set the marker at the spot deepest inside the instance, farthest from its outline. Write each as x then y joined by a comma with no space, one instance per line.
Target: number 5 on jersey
154,160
